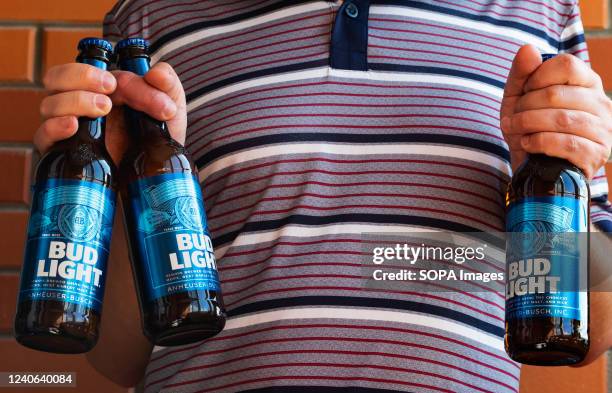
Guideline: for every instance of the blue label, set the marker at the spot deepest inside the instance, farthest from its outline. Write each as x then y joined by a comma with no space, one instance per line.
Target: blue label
68,242
547,258
172,236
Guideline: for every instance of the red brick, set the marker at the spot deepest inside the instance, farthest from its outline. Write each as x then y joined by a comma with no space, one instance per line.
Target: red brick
600,50
595,14
591,378
19,43
13,227
19,111
9,285
18,358
16,164
60,44
57,10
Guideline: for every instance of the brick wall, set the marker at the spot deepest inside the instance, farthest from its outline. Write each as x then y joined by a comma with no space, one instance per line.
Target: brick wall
36,34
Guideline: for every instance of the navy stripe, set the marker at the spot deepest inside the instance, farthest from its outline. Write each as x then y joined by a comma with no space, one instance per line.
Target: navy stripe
257,74
481,18
395,304
452,140
437,71
190,28
303,219
571,42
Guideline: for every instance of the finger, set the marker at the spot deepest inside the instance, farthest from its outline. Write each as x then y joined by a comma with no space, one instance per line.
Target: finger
134,91
525,62
163,77
563,69
76,76
564,121
54,130
564,97
75,103
584,153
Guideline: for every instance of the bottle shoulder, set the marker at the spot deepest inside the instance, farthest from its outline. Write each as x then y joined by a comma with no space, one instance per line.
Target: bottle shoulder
155,159
548,177
78,161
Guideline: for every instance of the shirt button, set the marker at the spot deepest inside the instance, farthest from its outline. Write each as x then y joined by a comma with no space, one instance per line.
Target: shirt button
351,10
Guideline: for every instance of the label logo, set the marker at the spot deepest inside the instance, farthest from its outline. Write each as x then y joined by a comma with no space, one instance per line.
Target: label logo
78,223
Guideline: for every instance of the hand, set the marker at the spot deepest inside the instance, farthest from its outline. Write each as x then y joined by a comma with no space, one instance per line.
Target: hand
558,108
83,90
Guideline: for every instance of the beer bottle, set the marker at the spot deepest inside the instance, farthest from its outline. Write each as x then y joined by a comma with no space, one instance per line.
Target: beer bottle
170,247
547,300
69,231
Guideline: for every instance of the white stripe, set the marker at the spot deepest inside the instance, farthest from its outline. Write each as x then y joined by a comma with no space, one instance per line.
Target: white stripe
599,189
510,32
213,31
297,231
366,315
122,6
436,324
572,30
326,72
354,149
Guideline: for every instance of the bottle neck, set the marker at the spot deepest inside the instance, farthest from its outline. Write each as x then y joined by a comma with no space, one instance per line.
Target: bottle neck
92,130
142,126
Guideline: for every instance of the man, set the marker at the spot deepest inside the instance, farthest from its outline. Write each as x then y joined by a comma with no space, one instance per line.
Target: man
313,122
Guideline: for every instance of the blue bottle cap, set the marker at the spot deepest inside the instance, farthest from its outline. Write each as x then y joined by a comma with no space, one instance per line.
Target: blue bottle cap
141,42
548,56
93,41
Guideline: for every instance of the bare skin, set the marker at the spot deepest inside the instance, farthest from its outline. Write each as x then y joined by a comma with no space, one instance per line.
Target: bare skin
557,109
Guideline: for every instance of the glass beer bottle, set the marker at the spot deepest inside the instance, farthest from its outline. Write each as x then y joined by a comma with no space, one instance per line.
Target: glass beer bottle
547,255
170,247
69,231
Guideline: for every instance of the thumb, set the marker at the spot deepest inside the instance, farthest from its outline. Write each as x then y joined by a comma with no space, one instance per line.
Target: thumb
525,62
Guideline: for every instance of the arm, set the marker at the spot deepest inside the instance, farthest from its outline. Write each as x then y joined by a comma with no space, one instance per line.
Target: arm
560,109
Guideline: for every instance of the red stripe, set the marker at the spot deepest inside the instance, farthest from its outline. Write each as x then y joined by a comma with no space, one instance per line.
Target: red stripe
196,65
524,8
310,365
352,173
447,53
195,17
367,207
338,352
349,276
217,203
285,243
361,289
409,332
310,378
243,33
193,133
341,252
264,63
235,105
444,45
538,14
455,37
350,126
422,60
351,84
167,7
354,195
490,11
546,5
209,182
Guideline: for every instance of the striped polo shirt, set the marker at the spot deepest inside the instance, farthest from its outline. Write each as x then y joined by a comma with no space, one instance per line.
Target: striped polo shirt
314,122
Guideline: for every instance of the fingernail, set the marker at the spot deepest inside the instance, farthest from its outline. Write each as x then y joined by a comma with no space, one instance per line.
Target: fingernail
101,102
107,81
505,123
525,140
